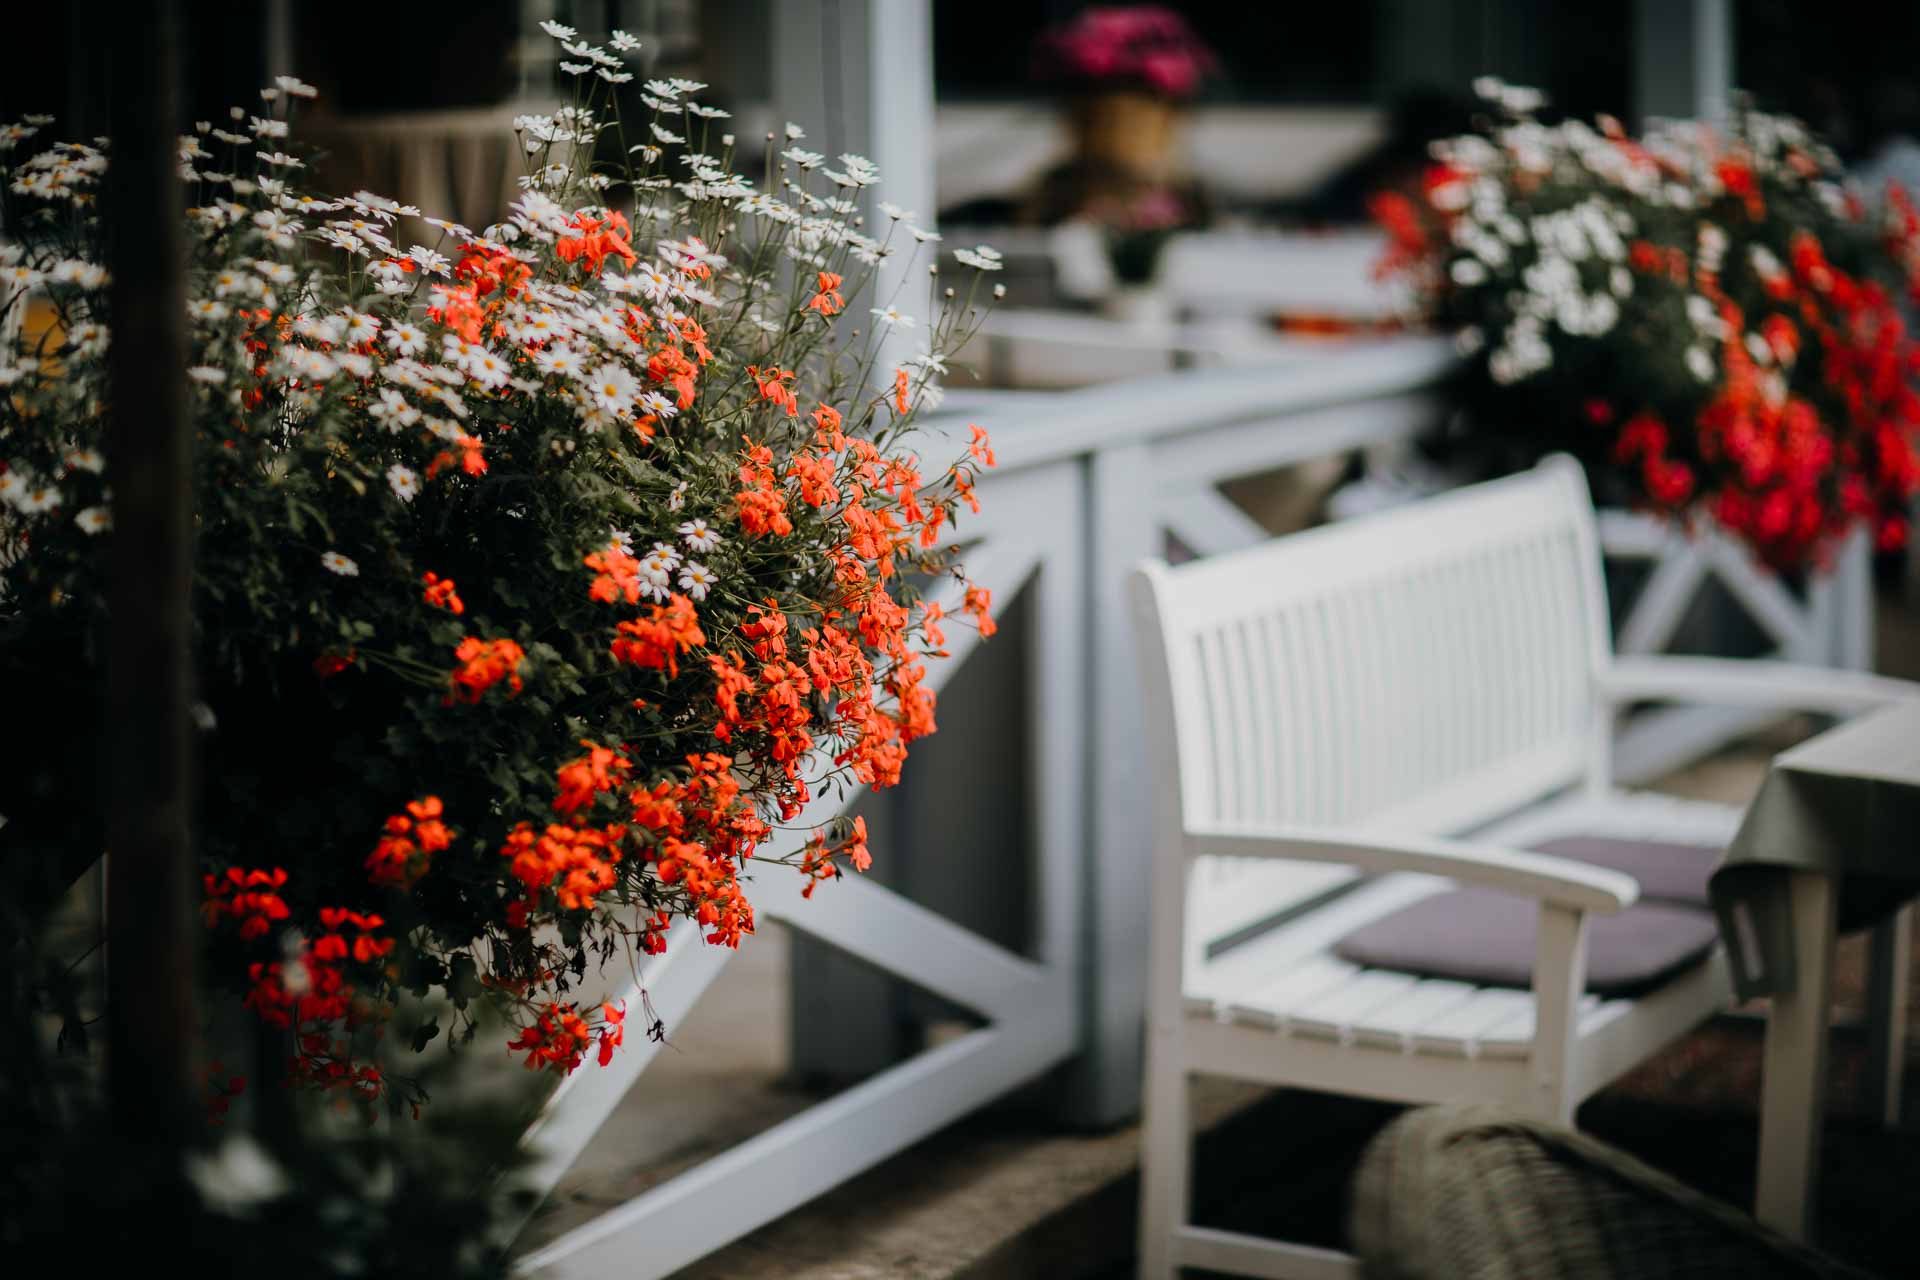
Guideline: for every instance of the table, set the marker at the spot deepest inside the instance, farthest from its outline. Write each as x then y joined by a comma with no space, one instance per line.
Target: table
1831,844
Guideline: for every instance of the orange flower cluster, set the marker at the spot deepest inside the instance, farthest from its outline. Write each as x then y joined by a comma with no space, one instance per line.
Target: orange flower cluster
828,301
776,387
441,594
483,664
657,641
558,1037
490,267
669,366
616,575
330,1066
592,775
761,503
406,850
332,946
457,306
250,897
818,863
596,239
577,863
472,457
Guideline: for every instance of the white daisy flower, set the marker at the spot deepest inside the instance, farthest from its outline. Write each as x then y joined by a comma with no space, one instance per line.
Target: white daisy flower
392,410
678,498
407,339
85,460
210,310
696,579
699,535
79,273
88,339
334,562
403,481
311,365
488,369
36,497
429,261
613,388
207,375
980,257
892,317
94,520
560,361
652,402
358,327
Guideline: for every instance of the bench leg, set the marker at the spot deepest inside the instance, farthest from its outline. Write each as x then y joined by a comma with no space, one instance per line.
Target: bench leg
1794,1081
1887,989
1166,1157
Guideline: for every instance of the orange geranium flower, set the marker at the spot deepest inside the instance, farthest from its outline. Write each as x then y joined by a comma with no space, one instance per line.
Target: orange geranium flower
440,593
483,664
657,641
596,239
828,301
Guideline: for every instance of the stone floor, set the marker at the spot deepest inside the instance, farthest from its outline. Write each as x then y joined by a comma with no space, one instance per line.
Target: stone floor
1009,1194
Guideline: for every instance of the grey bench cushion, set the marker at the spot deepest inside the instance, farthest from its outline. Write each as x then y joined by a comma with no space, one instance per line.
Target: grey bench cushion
1667,872
1487,938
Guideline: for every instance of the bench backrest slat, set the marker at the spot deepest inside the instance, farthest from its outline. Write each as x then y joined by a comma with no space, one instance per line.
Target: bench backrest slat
1430,667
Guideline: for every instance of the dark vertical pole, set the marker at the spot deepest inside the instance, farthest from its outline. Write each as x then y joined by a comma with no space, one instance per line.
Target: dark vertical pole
151,938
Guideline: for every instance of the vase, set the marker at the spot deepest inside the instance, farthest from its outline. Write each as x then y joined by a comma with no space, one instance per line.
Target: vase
1139,304
1127,134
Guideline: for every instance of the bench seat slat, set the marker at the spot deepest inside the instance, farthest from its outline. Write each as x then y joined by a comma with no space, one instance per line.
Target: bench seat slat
1337,1013
1272,1004
1392,1026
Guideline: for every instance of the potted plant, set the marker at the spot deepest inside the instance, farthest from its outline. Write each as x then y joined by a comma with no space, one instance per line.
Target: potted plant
1706,317
1127,69
544,573
1127,73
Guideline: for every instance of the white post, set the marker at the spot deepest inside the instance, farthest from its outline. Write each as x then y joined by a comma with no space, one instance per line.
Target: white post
277,39
857,75
899,127
1120,855
1682,59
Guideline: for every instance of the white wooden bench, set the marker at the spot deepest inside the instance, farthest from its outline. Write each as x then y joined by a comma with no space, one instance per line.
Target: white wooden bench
1331,713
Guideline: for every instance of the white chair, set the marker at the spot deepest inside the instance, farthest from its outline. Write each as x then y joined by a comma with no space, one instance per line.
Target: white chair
1331,712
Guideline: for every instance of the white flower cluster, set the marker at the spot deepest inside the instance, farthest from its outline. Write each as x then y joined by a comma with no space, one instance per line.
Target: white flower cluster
393,344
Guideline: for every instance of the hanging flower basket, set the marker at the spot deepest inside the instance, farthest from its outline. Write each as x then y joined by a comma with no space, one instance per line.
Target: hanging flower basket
546,573
1708,318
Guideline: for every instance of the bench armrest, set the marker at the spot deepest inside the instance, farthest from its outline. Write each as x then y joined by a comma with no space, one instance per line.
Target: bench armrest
1743,682
1559,881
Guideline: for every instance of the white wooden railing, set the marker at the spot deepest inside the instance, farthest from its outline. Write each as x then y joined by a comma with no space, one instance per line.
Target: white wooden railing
1088,484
